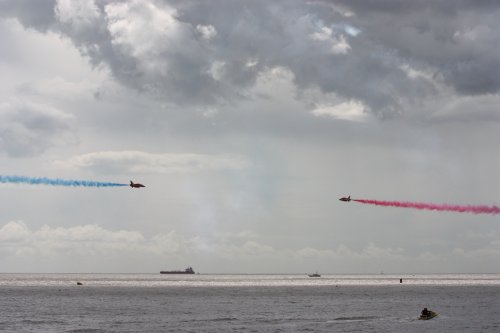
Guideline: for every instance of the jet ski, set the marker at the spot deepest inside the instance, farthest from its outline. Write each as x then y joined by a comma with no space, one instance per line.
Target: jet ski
429,315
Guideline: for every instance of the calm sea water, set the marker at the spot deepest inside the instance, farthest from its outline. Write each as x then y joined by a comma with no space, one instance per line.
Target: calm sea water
247,303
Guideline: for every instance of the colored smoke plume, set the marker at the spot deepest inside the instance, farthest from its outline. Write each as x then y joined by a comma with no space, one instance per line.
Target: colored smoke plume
480,209
55,182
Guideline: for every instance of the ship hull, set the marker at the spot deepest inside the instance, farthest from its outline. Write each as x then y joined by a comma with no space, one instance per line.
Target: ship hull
188,270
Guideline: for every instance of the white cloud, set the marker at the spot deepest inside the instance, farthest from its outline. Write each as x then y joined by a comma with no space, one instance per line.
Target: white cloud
80,14
414,73
141,162
14,232
91,239
145,31
18,238
352,31
216,70
207,32
338,44
18,241
351,110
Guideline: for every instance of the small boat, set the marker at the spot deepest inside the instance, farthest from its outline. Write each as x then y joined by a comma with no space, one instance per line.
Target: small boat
429,315
314,275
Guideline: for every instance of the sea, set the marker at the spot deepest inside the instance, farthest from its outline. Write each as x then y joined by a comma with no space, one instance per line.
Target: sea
248,303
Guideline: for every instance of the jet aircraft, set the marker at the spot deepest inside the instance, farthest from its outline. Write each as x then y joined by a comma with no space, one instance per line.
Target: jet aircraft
345,199
136,185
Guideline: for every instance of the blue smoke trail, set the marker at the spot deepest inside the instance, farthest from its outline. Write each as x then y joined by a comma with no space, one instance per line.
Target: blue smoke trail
55,182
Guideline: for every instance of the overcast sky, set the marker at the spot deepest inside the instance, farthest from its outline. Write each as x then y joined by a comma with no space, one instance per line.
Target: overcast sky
247,120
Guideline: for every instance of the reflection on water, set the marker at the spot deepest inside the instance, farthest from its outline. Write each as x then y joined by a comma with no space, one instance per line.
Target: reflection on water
206,280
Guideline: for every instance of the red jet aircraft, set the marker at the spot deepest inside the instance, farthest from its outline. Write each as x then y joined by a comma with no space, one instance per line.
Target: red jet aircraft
136,185
345,199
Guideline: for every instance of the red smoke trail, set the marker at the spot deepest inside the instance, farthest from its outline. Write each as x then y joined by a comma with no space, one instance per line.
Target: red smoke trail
428,206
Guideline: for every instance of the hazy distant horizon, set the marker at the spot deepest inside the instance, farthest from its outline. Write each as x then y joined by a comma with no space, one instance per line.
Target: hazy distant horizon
326,273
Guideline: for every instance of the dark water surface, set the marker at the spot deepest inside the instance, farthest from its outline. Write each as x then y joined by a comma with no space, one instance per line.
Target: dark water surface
228,303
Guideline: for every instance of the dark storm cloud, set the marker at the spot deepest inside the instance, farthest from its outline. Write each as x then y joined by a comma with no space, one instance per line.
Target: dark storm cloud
212,52
459,40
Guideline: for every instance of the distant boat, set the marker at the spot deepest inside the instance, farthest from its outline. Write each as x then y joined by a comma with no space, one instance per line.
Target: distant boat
314,275
188,270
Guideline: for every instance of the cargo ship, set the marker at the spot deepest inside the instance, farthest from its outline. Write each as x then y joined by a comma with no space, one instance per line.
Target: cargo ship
188,270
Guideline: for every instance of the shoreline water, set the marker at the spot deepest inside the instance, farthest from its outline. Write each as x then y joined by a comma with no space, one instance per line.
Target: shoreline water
259,303
239,280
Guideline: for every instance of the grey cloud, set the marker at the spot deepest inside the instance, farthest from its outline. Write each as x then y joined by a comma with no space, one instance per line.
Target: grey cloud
127,162
458,40
282,35
468,109
35,14
443,7
162,47
147,48
158,48
29,129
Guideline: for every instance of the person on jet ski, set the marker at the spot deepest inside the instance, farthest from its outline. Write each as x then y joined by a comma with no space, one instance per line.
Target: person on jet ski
425,312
